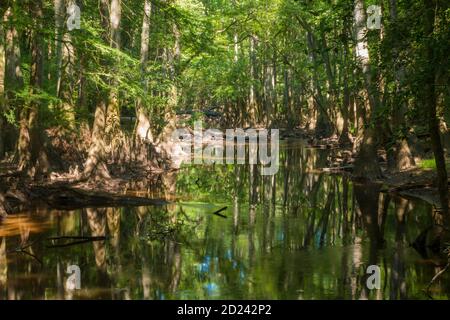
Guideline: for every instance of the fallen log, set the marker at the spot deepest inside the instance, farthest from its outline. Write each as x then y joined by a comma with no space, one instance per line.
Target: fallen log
80,240
67,197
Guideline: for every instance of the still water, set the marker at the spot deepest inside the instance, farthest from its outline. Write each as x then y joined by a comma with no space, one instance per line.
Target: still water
300,234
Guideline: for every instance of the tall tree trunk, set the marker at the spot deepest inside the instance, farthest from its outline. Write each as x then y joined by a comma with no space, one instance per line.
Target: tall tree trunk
344,138
323,124
31,150
172,61
13,80
403,157
430,101
289,116
2,90
143,129
96,161
366,164
113,112
64,55
237,101
332,95
273,91
253,100
59,31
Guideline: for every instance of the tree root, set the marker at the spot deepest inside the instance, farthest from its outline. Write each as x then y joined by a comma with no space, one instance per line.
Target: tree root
435,278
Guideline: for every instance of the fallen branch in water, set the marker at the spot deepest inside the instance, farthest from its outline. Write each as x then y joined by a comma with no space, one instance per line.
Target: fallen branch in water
33,256
66,197
217,213
77,237
80,238
22,248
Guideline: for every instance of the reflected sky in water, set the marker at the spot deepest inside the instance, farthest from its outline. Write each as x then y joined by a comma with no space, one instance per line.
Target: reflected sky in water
297,235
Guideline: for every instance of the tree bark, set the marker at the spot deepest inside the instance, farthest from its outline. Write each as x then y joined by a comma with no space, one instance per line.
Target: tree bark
403,157
59,25
2,91
13,80
253,100
344,138
31,150
430,101
95,164
366,164
113,112
64,60
143,129
323,124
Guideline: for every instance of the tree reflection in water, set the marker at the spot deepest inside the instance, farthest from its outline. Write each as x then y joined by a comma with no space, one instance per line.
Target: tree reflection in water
298,234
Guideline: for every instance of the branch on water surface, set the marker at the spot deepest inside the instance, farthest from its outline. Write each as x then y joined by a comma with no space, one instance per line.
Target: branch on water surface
22,248
78,237
217,213
81,240
32,255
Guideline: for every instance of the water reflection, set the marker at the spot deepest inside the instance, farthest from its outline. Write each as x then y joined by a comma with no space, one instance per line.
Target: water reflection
300,234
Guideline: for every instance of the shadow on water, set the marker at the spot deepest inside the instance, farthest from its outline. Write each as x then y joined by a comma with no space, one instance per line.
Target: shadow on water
300,234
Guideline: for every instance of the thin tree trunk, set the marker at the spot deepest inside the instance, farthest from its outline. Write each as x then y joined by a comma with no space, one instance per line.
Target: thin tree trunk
253,104
344,138
30,147
13,80
289,116
143,130
430,102
65,55
323,124
403,157
2,90
113,112
59,25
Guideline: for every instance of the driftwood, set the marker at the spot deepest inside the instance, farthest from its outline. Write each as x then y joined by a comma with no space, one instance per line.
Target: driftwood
80,240
66,197
410,186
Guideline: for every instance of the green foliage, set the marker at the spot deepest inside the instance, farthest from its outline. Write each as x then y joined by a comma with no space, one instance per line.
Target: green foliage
430,164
